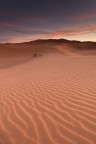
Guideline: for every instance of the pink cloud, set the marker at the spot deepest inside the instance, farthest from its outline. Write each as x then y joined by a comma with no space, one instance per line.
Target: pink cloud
85,16
60,34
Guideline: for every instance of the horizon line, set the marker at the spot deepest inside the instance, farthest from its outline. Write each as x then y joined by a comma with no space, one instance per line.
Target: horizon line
42,39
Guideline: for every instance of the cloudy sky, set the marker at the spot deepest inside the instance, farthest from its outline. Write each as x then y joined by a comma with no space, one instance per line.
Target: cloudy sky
25,20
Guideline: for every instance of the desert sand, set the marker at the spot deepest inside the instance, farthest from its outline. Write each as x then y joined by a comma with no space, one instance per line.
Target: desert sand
48,93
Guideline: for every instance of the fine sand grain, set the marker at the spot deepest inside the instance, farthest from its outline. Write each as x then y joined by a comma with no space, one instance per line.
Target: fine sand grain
50,99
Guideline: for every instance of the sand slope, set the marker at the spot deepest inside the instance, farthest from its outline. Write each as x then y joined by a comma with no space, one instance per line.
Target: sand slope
49,100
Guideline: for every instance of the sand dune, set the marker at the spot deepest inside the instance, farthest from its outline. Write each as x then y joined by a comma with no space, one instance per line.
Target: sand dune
49,99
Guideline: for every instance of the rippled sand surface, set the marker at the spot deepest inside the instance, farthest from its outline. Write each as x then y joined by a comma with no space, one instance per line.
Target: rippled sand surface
49,99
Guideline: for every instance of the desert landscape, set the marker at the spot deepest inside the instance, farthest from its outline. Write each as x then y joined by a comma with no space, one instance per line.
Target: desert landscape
48,92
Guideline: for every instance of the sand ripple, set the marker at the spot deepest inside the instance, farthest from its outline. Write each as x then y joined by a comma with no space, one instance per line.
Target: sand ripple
51,100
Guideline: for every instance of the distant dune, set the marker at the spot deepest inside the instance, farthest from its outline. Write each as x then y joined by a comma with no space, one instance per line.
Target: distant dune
48,92
13,54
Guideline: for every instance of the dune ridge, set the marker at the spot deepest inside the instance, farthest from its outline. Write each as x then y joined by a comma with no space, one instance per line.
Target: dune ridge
49,99
14,54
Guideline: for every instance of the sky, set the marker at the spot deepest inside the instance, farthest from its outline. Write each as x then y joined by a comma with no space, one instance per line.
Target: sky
27,20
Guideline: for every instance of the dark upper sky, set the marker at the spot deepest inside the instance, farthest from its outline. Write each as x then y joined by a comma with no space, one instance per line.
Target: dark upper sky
25,20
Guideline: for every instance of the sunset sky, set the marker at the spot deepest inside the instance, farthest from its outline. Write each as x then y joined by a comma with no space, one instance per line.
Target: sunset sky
26,20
